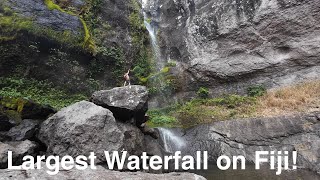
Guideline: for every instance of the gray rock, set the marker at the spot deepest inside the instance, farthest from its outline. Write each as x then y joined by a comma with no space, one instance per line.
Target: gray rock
245,136
25,130
125,102
19,150
98,174
149,131
4,137
85,127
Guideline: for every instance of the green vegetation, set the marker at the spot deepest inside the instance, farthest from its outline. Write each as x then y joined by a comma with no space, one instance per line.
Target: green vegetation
198,111
257,90
163,117
51,6
171,64
301,97
39,91
203,92
162,82
143,60
112,55
159,118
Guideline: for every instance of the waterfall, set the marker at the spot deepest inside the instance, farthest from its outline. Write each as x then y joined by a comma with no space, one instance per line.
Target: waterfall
152,6
171,140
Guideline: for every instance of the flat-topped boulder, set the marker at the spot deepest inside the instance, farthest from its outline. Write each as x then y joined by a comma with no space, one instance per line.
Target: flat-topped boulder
126,103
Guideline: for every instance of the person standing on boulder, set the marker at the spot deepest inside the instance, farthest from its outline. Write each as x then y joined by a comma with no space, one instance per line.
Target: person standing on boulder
126,78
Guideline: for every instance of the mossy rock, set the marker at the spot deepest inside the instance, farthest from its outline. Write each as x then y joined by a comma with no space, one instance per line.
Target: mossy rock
50,21
19,108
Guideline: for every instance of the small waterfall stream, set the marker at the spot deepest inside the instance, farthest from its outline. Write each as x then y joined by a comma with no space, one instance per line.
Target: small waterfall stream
152,26
171,140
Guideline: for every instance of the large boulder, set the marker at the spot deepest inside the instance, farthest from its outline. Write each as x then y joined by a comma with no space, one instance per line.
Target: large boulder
97,174
19,150
125,102
85,127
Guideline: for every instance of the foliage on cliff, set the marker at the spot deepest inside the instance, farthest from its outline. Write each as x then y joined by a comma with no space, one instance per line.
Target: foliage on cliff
39,91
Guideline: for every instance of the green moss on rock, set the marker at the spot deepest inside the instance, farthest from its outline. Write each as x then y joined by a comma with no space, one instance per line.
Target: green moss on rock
88,42
20,108
11,24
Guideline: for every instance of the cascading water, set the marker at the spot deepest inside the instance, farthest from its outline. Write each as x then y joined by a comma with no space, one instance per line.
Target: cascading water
155,47
171,140
152,27
151,14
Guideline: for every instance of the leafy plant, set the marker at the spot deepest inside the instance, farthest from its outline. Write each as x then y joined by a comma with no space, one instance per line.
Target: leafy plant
256,91
158,117
40,91
203,92
171,64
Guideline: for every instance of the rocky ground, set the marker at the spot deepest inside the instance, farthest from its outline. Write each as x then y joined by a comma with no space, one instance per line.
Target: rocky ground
86,127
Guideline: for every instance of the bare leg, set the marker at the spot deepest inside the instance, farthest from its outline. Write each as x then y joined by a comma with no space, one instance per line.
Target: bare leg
125,82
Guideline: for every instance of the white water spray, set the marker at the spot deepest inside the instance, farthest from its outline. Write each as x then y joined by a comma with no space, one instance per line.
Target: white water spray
171,141
152,30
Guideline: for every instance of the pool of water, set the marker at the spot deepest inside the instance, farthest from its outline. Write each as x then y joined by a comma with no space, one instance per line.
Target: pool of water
250,173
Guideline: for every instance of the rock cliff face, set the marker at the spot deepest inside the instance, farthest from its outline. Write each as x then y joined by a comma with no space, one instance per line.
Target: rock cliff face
78,45
228,45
